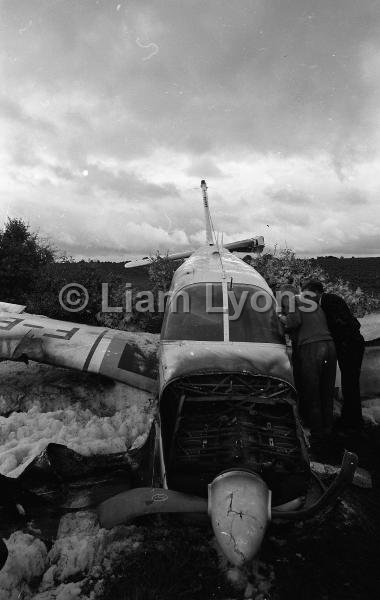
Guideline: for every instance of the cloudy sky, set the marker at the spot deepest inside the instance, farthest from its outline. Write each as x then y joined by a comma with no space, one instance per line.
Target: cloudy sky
112,111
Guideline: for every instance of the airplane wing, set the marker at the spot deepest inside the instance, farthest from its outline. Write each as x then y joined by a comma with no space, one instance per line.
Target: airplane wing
250,245
120,355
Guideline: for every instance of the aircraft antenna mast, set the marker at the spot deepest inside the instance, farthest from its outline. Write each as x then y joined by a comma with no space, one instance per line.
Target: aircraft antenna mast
209,234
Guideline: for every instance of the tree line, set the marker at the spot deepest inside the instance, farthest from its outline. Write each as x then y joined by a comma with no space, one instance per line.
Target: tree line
30,275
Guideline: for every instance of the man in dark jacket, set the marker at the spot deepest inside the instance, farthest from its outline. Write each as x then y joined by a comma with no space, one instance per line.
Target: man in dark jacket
349,344
314,362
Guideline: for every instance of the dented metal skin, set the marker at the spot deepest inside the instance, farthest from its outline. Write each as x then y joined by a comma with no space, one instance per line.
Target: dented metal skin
206,264
239,508
184,358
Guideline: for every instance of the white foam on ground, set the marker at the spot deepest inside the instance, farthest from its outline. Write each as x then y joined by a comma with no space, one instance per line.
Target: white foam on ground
90,417
27,561
52,416
24,435
54,405
83,551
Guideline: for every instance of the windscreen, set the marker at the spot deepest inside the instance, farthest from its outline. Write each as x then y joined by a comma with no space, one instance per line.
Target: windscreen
196,314
252,316
189,316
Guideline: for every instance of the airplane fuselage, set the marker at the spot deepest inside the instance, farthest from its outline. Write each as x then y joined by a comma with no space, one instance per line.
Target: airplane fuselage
226,392
237,330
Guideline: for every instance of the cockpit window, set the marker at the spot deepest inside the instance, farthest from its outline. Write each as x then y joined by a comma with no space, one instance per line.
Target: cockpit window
252,316
196,313
188,318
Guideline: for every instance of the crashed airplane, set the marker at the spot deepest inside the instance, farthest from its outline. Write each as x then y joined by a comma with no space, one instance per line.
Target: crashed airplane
227,439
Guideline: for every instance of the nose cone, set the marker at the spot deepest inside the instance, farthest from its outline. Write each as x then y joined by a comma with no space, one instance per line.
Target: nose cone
239,508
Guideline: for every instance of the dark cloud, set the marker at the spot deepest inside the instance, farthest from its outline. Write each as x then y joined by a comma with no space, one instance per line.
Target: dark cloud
361,244
204,165
258,74
63,173
91,92
92,177
354,198
288,197
286,214
13,112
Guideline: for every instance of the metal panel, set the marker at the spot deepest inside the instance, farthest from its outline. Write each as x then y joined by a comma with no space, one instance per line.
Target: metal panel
208,263
182,358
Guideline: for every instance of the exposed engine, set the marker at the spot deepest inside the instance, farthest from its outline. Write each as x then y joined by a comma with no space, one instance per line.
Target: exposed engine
213,423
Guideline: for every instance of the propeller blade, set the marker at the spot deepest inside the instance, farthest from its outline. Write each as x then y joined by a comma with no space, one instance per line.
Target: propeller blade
144,501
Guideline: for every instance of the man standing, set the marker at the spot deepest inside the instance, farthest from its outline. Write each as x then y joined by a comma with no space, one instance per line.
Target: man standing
349,343
314,362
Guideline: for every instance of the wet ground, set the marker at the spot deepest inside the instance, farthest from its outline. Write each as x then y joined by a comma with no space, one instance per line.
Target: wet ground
331,558
163,558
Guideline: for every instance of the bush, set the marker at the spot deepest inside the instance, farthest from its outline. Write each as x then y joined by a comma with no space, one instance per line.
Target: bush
279,267
161,271
22,256
44,299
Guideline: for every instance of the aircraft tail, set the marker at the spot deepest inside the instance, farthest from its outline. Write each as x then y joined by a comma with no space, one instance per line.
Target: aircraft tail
242,247
210,237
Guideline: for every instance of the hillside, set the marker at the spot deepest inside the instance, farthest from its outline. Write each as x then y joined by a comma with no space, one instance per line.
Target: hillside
360,272
107,272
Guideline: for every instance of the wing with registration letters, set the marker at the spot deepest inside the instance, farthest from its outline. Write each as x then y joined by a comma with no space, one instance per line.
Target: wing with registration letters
120,355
